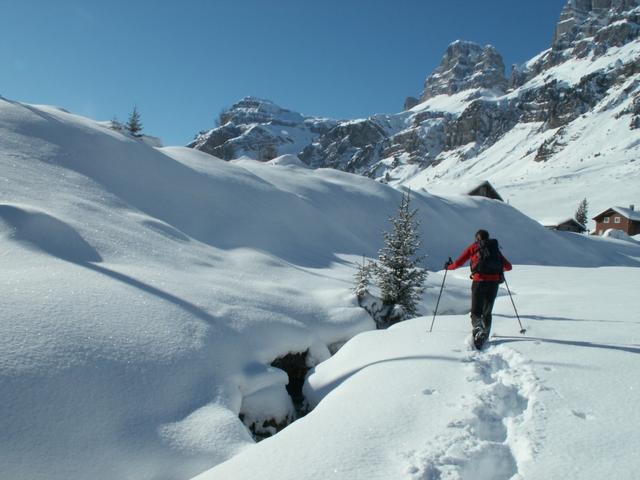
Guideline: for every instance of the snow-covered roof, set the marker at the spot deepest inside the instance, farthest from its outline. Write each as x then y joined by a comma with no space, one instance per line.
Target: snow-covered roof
461,187
555,222
626,212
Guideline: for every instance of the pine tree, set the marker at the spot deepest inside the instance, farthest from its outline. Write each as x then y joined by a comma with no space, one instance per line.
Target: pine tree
398,272
116,125
581,213
133,125
226,151
362,278
267,152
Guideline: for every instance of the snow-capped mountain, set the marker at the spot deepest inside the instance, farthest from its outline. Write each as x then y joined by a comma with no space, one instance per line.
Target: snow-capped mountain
260,129
545,123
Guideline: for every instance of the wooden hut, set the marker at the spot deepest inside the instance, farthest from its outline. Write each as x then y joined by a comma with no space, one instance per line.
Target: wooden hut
620,218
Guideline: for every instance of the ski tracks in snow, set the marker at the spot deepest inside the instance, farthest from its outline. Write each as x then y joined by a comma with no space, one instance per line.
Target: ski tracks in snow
500,425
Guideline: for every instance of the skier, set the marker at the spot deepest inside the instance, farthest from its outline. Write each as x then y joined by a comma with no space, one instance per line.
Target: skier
487,267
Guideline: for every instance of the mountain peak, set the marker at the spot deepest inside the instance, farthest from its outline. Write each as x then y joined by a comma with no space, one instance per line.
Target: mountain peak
585,19
251,110
466,65
260,129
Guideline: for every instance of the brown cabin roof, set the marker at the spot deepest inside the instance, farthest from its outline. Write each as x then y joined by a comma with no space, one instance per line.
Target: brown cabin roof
493,193
632,215
565,221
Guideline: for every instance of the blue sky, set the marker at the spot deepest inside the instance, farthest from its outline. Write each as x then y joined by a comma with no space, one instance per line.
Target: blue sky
182,62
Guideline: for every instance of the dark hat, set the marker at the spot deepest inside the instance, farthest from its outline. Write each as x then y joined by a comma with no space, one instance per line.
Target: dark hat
483,234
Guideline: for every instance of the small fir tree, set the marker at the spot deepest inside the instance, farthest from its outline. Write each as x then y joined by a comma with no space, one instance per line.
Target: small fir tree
134,125
398,272
226,151
581,213
362,278
116,125
267,152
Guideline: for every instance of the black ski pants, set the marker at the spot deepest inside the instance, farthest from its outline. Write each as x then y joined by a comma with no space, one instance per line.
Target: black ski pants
483,294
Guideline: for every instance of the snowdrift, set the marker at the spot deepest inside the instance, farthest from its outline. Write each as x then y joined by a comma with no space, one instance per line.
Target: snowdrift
147,290
403,403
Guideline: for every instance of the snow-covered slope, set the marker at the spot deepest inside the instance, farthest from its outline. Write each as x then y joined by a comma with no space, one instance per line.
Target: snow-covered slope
559,402
146,291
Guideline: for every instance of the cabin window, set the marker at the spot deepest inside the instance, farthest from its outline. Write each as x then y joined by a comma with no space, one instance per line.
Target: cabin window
606,220
616,220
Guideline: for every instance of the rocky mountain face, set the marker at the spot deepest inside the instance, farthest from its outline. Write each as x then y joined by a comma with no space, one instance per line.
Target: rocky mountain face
586,27
467,105
466,65
260,129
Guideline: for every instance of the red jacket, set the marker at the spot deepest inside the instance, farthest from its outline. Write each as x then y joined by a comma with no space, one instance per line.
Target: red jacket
471,252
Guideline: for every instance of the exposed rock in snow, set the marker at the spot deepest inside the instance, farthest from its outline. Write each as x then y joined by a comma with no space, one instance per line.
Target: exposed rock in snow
410,102
611,22
466,65
586,27
260,129
350,146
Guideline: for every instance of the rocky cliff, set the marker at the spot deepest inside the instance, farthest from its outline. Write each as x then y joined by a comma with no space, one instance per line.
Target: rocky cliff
464,66
260,129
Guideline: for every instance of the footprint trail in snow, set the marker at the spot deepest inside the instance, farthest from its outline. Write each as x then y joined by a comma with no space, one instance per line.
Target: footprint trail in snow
501,430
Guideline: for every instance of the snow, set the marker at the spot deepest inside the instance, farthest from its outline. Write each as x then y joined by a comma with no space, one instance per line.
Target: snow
403,403
535,59
456,187
288,160
554,222
146,292
572,71
629,213
453,104
618,234
130,282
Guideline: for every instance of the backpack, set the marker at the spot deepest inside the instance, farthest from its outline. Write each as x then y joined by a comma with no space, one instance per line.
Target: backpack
489,258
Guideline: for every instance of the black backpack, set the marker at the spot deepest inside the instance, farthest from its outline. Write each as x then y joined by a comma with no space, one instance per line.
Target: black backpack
489,257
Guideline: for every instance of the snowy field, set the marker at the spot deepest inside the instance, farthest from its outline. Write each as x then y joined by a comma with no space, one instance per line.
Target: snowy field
145,292
559,402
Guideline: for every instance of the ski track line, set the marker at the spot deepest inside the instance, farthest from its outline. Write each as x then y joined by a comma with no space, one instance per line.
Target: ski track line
503,430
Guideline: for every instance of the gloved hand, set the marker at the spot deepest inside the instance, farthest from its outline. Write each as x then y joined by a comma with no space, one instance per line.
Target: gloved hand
448,264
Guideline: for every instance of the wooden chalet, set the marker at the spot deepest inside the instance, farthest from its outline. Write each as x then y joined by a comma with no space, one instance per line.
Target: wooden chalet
474,189
625,219
564,225
485,189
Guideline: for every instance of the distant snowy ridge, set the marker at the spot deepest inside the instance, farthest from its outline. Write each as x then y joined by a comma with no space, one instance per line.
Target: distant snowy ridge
260,129
473,123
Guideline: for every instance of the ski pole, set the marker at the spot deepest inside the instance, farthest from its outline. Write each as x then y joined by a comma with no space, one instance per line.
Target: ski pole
522,329
439,295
